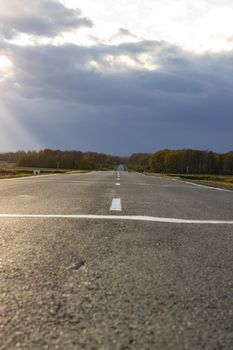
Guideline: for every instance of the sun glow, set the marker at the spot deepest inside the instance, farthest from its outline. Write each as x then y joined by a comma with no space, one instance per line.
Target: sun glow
5,63
5,68
14,132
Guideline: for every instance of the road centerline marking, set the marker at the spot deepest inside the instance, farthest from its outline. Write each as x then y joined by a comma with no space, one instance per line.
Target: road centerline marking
116,204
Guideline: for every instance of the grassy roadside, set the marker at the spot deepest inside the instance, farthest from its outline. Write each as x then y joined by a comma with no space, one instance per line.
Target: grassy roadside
16,172
208,180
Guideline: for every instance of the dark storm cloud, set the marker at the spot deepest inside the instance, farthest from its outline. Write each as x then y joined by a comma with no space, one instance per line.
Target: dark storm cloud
38,17
65,73
185,102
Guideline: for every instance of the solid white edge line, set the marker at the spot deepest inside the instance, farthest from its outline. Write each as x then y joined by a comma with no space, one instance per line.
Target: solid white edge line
118,217
203,186
29,177
40,176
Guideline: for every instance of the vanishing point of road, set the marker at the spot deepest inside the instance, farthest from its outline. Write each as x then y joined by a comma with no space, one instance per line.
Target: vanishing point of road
109,260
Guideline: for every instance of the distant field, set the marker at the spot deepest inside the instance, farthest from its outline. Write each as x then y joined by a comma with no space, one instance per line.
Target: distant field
209,180
4,164
9,170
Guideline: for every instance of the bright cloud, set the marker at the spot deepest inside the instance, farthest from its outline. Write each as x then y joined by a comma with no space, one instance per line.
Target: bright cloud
197,25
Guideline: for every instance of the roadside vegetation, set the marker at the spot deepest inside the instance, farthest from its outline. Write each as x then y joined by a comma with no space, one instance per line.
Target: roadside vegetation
209,180
185,161
11,171
57,159
193,165
204,167
18,164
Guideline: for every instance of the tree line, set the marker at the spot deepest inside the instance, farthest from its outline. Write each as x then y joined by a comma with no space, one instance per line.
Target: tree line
182,162
162,161
11,157
63,159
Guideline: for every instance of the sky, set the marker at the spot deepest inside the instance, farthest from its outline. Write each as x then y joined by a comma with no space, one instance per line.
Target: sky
117,77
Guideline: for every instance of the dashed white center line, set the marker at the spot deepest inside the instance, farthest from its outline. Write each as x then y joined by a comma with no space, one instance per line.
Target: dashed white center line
116,204
118,184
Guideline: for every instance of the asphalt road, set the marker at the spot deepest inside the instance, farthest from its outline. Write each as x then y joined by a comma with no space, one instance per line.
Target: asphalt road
74,281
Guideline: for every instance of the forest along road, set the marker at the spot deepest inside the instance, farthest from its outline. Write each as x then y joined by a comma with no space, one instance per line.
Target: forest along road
115,261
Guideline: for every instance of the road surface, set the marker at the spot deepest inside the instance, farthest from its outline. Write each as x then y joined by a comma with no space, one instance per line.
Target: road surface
101,261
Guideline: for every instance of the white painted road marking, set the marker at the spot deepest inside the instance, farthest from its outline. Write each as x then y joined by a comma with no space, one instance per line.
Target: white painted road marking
21,178
118,217
203,186
116,204
118,184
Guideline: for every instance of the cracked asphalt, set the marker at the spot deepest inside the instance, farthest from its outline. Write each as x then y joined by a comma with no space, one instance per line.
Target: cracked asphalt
73,284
